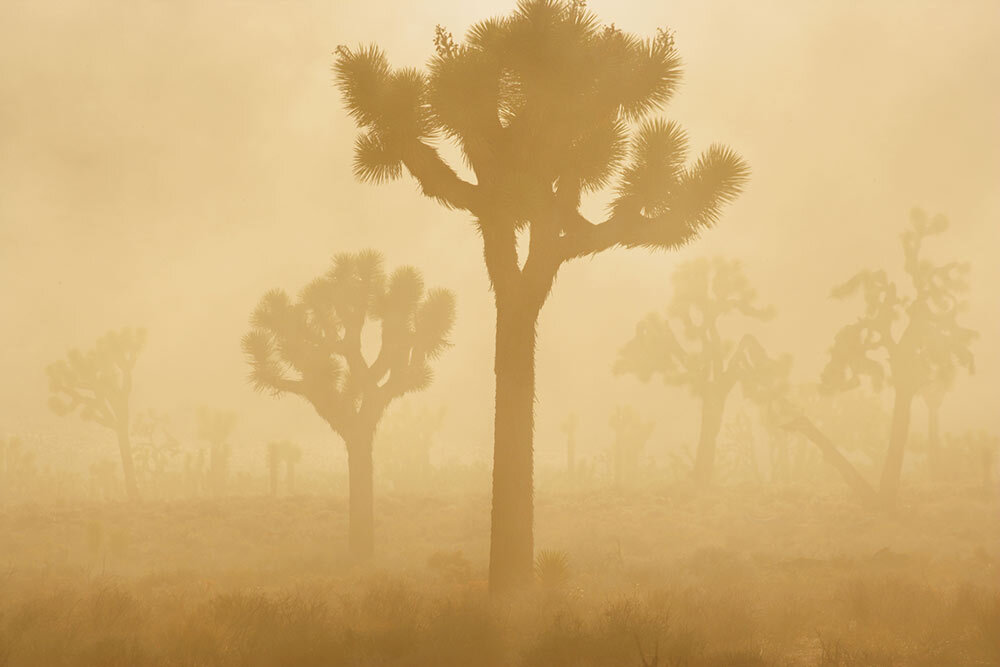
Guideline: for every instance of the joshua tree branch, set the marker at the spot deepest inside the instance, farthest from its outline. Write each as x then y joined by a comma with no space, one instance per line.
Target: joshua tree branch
437,179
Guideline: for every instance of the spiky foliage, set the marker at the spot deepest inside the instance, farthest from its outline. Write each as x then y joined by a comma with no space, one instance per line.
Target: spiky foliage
688,348
98,384
314,347
552,569
912,341
545,105
632,433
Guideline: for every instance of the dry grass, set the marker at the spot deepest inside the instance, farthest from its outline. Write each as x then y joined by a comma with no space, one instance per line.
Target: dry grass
763,578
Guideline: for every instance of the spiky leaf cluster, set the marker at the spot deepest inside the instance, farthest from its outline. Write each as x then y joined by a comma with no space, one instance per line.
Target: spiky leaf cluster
97,382
312,346
545,104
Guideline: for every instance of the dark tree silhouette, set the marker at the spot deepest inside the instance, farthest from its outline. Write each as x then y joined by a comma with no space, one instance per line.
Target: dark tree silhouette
546,105
631,435
313,347
98,383
915,342
215,427
700,358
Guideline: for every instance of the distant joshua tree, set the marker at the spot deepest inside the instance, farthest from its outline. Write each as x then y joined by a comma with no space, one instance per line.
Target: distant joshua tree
98,383
406,440
631,435
545,104
568,427
313,348
701,357
154,446
215,427
915,342
282,453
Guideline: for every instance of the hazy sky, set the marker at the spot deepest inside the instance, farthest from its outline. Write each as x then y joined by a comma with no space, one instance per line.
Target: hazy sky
164,163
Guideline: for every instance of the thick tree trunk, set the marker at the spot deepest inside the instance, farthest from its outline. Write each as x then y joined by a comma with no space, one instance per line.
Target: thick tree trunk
869,498
361,501
893,467
712,408
128,465
511,543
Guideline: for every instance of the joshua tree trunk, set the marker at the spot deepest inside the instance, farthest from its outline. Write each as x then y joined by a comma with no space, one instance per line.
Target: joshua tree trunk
712,408
934,438
869,498
128,466
511,544
272,466
361,501
893,466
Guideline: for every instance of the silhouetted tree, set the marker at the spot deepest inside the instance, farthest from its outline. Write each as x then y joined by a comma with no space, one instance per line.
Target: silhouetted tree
282,453
98,383
912,341
545,104
701,357
313,348
631,435
406,441
154,446
215,427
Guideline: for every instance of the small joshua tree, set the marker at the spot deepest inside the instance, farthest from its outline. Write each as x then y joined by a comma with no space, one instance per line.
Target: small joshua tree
568,427
215,427
701,357
282,453
407,439
631,435
154,446
312,347
98,383
915,341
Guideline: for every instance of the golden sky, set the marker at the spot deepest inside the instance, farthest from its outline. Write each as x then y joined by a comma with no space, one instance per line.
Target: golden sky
164,163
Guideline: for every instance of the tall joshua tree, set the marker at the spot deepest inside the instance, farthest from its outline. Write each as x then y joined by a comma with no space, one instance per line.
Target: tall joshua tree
98,383
546,104
313,347
215,427
700,357
914,341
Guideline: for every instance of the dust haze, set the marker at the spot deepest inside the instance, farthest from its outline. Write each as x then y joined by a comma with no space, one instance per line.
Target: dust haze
665,330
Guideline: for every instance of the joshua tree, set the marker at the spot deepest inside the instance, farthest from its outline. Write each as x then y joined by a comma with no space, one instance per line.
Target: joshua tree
631,435
546,104
313,348
154,446
569,428
913,341
282,453
215,427
701,358
98,383
407,439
